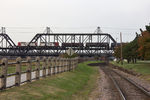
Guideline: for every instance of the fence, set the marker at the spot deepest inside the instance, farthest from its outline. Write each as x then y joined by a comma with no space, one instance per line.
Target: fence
43,67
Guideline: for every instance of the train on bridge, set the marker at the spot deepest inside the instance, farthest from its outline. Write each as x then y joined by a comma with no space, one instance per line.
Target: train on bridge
54,44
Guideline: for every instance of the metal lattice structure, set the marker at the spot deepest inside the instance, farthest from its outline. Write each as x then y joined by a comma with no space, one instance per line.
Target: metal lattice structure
54,44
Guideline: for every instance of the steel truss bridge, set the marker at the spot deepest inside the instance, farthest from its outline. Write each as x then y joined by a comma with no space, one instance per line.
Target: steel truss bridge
84,44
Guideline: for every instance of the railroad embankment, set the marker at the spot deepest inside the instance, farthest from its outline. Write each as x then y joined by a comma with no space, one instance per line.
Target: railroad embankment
141,68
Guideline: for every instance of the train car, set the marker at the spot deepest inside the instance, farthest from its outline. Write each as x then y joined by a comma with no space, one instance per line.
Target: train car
26,44
117,44
72,45
33,44
22,43
106,45
49,44
56,43
42,44
113,45
91,45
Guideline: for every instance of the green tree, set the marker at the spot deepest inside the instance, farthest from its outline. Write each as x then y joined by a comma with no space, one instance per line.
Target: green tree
147,28
144,45
129,51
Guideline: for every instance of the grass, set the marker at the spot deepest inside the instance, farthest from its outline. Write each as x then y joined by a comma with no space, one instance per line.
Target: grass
142,67
74,85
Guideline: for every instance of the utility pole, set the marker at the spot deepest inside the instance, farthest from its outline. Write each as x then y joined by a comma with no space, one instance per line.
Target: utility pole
121,58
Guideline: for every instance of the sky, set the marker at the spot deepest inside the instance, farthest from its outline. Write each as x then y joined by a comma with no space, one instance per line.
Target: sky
24,18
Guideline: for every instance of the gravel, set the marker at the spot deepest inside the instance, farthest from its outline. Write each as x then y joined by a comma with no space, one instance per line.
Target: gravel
131,92
107,89
136,79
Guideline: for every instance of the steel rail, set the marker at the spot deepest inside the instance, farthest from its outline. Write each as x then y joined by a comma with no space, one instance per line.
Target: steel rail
116,85
118,88
145,91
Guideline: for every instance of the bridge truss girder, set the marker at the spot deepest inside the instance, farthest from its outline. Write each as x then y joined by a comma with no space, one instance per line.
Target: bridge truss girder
13,50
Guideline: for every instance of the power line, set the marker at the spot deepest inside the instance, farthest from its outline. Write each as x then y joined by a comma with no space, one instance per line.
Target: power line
124,28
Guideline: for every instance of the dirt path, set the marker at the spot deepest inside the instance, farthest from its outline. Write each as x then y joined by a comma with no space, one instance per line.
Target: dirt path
104,90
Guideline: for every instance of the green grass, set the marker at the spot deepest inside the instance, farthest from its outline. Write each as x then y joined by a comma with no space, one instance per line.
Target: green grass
74,85
142,67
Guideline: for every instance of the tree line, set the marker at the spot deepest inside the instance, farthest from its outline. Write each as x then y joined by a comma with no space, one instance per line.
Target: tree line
139,48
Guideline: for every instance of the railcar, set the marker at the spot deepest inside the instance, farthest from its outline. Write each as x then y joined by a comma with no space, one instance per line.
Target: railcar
97,44
49,44
72,45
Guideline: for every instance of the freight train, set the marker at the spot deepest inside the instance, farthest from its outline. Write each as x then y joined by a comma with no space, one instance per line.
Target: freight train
56,44
22,44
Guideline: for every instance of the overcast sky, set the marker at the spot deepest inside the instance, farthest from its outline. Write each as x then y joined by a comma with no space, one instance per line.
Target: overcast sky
24,18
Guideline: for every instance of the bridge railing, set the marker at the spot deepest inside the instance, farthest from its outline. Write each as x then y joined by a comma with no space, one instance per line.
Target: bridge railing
42,67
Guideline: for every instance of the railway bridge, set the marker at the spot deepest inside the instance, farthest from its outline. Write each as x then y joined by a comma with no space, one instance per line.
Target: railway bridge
54,44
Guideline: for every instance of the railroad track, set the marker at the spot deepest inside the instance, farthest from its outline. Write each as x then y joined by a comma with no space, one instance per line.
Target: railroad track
127,89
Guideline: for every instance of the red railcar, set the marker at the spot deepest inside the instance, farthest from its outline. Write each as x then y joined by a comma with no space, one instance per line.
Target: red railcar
22,43
56,43
27,43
